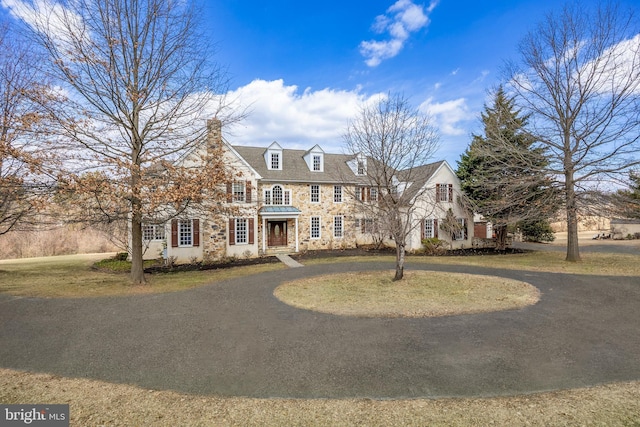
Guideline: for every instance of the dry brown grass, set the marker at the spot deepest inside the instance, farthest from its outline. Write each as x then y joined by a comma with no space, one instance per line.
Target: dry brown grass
72,277
96,403
599,264
418,294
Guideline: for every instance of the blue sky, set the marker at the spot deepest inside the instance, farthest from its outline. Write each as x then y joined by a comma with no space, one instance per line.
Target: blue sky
303,68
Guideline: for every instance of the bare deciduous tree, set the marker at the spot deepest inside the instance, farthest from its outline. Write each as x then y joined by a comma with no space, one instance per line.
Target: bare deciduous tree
25,179
390,142
141,85
579,79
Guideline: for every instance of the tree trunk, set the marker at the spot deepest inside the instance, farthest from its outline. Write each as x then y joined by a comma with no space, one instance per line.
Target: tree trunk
399,262
501,237
137,267
573,251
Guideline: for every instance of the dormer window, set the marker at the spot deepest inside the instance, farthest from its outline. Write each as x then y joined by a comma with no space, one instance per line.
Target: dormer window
273,157
275,161
315,159
361,167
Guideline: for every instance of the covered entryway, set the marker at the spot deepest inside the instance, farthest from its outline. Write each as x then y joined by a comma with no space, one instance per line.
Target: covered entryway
277,227
277,233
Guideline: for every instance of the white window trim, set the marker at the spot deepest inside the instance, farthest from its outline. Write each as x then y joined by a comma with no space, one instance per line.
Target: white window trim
463,223
246,231
155,232
180,243
341,226
311,236
341,194
243,185
433,231
311,193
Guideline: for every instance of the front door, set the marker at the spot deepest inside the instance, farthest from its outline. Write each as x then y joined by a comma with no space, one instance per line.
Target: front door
277,233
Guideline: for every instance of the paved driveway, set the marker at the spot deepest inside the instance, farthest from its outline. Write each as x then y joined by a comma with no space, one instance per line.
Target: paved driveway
235,338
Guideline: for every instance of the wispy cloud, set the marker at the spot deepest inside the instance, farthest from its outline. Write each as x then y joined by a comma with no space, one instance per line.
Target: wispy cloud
400,20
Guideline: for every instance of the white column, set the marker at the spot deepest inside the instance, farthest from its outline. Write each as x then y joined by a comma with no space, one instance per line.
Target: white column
296,234
264,231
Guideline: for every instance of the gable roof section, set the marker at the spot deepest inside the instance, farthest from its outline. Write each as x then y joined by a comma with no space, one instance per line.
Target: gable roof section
295,168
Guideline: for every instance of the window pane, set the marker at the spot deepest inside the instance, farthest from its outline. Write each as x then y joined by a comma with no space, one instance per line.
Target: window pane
315,227
185,237
238,191
276,195
337,226
315,193
147,232
241,230
316,163
337,193
275,161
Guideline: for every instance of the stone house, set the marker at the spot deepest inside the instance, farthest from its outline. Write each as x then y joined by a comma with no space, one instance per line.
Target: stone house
286,201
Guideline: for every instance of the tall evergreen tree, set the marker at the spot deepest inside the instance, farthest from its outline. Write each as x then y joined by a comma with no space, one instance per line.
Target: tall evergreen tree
500,170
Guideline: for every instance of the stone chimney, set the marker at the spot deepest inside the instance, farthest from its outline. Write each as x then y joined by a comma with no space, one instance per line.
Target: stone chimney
214,134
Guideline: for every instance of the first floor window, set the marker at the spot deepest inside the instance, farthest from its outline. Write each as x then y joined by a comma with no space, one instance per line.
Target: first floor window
315,227
429,229
153,232
185,232
461,232
241,231
338,222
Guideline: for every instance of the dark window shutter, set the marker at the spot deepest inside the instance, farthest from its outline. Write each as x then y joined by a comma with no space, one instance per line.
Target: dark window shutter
437,192
451,192
251,234
248,192
174,233
196,232
232,231
435,228
422,224
466,229
229,192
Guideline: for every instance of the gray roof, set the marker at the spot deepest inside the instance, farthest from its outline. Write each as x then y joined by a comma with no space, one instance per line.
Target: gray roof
295,169
336,170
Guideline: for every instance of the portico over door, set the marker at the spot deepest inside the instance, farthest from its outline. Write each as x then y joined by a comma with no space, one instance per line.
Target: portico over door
277,233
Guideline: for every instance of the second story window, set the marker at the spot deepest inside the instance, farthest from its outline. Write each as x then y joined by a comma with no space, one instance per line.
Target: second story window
315,193
444,192
337,193
361,168
317,163
239,191
275,161
276,195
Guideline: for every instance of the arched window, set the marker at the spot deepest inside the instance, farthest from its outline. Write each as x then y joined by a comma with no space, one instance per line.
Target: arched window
276,195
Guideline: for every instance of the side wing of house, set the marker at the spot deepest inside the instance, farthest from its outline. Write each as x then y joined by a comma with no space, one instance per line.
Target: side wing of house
439,213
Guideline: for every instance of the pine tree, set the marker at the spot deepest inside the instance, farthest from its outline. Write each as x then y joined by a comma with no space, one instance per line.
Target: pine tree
500,170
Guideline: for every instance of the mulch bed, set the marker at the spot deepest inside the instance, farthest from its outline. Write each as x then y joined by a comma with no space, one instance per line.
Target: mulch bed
319,254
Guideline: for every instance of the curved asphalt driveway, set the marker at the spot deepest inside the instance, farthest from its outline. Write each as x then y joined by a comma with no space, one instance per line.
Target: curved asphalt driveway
235,338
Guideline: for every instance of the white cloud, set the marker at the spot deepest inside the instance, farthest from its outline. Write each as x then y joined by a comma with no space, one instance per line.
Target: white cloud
295,119
449,115
401,19
47,16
